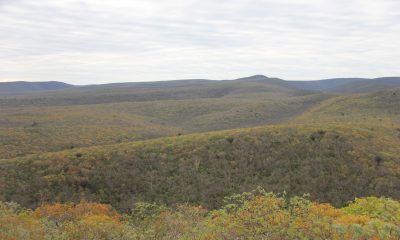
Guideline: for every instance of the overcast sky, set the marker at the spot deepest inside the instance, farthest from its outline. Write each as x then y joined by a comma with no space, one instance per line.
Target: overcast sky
94,41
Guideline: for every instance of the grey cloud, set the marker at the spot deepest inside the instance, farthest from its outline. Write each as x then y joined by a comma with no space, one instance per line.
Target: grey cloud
90,41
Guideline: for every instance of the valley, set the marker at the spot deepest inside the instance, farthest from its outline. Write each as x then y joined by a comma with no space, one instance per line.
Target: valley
196,143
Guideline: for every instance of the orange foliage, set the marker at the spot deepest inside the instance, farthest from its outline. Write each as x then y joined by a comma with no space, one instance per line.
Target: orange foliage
352,219
325,209
69,212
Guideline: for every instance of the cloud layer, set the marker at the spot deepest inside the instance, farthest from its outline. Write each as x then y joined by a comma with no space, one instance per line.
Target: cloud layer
91,41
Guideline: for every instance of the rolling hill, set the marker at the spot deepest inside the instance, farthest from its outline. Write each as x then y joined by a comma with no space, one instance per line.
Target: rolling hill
154,91
341,148
348,85
380,108
336,85
83,116
121,144
72,118
334,164
19,88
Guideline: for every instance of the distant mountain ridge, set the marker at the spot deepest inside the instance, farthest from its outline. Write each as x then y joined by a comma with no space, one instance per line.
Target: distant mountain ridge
338,85
21,87
348,85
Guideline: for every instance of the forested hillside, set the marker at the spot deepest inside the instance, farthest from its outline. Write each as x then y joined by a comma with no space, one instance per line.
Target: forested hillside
334,164
166,158
151,120
251,215
54,122
379,109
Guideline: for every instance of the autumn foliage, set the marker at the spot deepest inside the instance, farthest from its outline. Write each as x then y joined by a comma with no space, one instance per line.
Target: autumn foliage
251,215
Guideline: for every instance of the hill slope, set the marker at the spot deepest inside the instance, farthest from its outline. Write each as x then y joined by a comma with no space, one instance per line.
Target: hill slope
378,109
333,164
155,91
348,85
338,85
70,119
19,88
335,147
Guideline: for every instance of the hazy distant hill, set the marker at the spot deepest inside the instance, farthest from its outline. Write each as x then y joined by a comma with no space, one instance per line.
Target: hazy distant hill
158,91
122,112
85,116
370,85
166,89
157,84
18,88
348,85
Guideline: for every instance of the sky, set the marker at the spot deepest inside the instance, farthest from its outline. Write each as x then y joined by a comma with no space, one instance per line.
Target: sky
102,41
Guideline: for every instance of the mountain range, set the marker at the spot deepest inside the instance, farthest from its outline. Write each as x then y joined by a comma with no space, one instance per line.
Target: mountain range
336,85
197,141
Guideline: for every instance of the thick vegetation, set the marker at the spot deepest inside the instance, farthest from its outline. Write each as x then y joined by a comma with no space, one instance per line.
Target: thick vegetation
152,153
34,124
333,164
251,215
380,109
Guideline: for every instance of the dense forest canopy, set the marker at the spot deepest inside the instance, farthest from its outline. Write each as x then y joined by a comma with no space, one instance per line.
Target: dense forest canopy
158,160
251,215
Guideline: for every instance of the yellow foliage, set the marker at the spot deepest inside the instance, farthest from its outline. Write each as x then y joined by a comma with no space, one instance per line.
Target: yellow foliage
264,216
69,212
